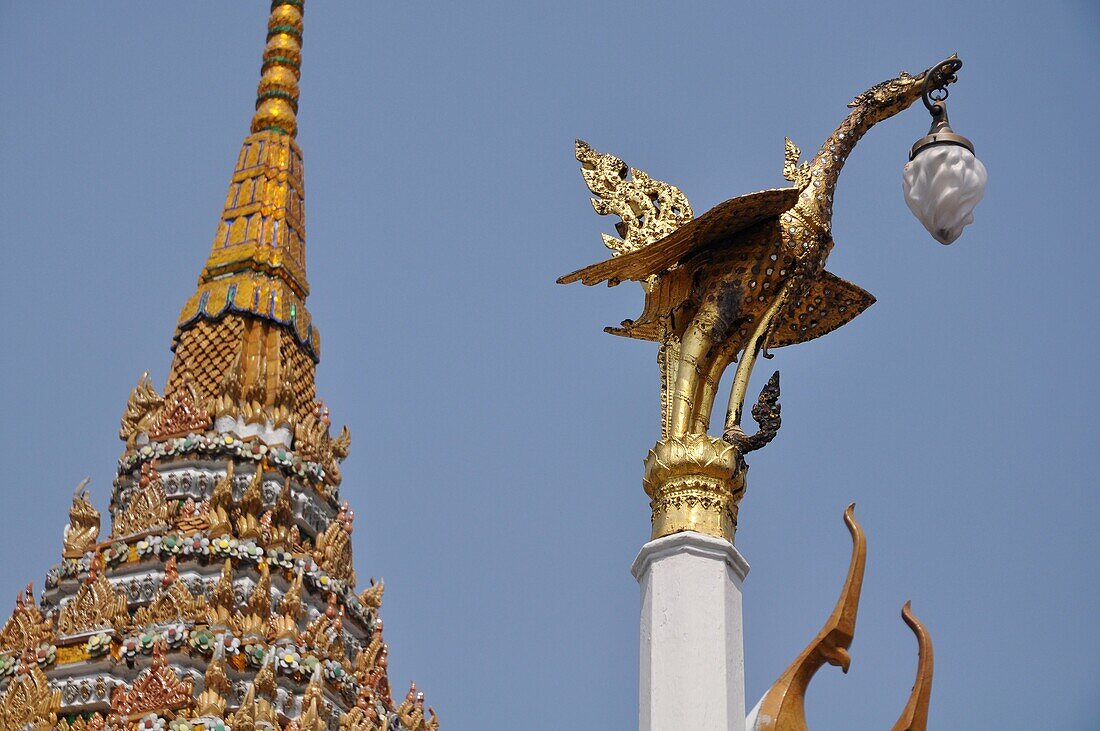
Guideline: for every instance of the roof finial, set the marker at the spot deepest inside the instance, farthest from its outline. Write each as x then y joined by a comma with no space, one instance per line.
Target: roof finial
277,94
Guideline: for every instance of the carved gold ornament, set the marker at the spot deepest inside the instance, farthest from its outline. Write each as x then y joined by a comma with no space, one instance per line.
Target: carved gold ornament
250,508
275,523
83,529
371,666
364,716
315,711
157,689
222,602
173,602
291,602
333,553
147,508
411,712
219,510
96,604
216,686
141,410
244,718
648,209
29,702
325,632
372,595
313,442
27,628
694,483
265,679
182,412
792,171
191,517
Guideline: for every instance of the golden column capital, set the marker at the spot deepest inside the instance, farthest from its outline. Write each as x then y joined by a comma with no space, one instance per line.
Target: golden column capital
695,483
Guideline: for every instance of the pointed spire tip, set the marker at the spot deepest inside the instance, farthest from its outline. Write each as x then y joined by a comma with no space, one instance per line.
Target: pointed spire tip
277,93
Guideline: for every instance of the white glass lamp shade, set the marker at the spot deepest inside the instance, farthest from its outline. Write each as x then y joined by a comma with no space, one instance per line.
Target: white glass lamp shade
942,185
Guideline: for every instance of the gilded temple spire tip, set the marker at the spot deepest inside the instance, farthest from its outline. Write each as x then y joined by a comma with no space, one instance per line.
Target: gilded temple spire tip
248,317
277,94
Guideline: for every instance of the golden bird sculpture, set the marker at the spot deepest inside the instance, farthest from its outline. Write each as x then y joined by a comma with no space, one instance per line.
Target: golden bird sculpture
721,288
748,274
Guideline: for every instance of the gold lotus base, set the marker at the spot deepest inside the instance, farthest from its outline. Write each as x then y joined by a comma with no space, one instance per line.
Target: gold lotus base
694,483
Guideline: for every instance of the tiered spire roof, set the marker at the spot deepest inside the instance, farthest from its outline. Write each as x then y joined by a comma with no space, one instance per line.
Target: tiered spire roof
224,593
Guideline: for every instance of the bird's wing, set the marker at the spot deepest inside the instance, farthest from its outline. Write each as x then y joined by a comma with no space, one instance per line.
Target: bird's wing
664,300
828,303
720,222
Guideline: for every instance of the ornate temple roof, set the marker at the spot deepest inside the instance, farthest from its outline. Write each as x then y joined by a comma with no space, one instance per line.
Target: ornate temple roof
224,594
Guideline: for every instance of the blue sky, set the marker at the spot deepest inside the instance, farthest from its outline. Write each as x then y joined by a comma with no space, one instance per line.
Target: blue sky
498,433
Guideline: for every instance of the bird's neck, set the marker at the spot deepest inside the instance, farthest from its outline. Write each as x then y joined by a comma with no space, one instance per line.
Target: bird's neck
816,200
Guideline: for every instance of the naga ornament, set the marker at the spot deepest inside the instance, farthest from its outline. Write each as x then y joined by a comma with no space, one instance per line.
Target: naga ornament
83,529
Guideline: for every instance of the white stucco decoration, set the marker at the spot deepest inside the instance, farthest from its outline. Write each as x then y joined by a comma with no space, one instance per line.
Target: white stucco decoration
942,185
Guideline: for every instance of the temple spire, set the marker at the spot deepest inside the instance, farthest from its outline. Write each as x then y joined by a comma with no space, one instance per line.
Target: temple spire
277,94
246,332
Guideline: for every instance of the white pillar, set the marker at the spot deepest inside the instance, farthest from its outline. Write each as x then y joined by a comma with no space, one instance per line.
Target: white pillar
692,652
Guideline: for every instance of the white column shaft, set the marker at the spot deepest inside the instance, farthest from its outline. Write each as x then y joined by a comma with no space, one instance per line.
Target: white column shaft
692,650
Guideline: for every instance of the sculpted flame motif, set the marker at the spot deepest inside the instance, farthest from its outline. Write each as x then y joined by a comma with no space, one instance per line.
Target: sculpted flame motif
173,602
251,505
371,666
747,275
411,712
649,209
96,604
364,716
216,685
333,552
26,628
325,632
372,595
147,508
220,504
29,702
792,171
182,413
156,689
223,600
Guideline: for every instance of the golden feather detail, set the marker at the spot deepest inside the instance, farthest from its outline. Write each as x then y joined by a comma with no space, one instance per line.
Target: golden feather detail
649,209
792,171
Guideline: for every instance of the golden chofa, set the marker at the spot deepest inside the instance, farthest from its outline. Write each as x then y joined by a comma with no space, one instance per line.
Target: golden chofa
783,707
722,288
